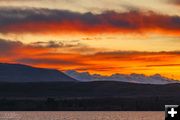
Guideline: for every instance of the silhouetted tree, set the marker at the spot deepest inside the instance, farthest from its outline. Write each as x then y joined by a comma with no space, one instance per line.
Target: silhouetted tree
51,104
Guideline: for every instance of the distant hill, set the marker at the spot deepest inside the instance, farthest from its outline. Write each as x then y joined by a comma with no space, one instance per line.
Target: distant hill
131,78
24,73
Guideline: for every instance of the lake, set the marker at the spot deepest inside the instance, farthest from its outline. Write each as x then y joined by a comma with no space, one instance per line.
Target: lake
82,115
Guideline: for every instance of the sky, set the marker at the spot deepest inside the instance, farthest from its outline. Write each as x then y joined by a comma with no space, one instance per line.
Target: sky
96,36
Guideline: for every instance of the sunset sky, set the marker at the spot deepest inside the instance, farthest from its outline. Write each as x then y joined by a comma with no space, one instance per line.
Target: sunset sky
97,36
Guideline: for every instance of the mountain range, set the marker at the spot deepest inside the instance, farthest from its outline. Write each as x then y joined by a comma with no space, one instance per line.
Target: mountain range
131,78
25,73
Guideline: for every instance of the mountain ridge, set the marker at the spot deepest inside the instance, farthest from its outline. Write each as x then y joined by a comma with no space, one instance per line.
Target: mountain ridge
131,78
10,72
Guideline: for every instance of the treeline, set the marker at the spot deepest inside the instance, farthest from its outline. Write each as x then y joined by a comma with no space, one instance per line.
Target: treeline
82,96
95,104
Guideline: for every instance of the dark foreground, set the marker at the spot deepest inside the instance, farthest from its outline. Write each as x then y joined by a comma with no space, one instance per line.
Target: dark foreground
90,96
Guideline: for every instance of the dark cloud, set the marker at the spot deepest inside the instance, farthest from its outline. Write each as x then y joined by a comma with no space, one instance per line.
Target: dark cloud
49,44
175,2
57,44
7,46
33,20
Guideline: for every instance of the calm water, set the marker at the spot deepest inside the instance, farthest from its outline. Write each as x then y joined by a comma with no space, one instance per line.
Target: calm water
81,115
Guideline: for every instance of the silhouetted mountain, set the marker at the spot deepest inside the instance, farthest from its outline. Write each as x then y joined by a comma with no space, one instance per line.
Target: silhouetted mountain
24,73
131,78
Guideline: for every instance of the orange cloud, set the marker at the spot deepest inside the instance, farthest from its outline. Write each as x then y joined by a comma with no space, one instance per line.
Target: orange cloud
108,63
41,21
165,63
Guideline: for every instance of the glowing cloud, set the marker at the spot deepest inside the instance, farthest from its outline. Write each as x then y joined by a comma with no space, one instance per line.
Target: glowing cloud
101,62
18,21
